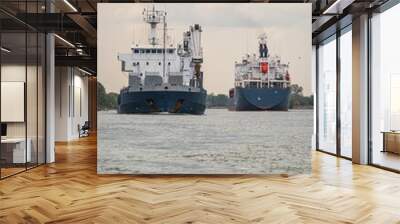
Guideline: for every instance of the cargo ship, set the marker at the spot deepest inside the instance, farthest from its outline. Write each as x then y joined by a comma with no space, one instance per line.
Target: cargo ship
261,82
163,77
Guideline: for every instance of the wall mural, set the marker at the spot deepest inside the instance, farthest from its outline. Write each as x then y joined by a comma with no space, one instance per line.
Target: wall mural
204,88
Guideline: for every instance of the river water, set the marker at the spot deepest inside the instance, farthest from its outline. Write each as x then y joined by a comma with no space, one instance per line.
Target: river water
219,142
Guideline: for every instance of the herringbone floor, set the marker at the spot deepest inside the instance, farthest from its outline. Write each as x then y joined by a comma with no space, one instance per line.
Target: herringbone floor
70,191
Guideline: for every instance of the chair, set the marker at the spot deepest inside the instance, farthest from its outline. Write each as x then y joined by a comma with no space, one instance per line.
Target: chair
84,130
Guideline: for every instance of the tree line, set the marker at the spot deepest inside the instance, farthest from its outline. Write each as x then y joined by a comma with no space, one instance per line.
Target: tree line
298,100
106,101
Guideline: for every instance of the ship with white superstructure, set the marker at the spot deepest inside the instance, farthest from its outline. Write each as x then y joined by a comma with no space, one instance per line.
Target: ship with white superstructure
164,77
261,82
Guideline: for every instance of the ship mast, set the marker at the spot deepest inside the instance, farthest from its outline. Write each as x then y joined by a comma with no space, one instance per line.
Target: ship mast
164,40
263,50
154,17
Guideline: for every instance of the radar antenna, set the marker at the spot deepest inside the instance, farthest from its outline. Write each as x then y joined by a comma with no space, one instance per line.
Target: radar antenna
153,17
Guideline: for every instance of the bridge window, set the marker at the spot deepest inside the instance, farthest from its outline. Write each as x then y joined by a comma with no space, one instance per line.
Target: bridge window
136,51
153,51
148,51
170,51
142,51
159,51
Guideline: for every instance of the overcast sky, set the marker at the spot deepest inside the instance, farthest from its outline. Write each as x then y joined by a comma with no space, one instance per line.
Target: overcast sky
229,32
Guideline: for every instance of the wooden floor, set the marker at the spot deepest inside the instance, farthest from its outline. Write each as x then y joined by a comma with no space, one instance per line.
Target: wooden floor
5,172
70,191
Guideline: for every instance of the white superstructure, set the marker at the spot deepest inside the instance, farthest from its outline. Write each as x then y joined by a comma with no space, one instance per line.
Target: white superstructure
159,62
263,71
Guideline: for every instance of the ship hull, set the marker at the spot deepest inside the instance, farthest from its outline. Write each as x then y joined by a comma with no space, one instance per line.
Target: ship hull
255,99
177,102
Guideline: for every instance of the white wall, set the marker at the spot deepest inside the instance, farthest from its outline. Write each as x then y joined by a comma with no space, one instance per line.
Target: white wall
12,73
61,103
71,102
80,109
34,124
17,73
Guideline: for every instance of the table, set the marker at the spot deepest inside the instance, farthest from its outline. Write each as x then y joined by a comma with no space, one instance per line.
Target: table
13,150
391,141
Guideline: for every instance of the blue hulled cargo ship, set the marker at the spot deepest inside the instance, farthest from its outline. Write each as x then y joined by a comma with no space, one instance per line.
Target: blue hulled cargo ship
261,83
156,101
164,77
